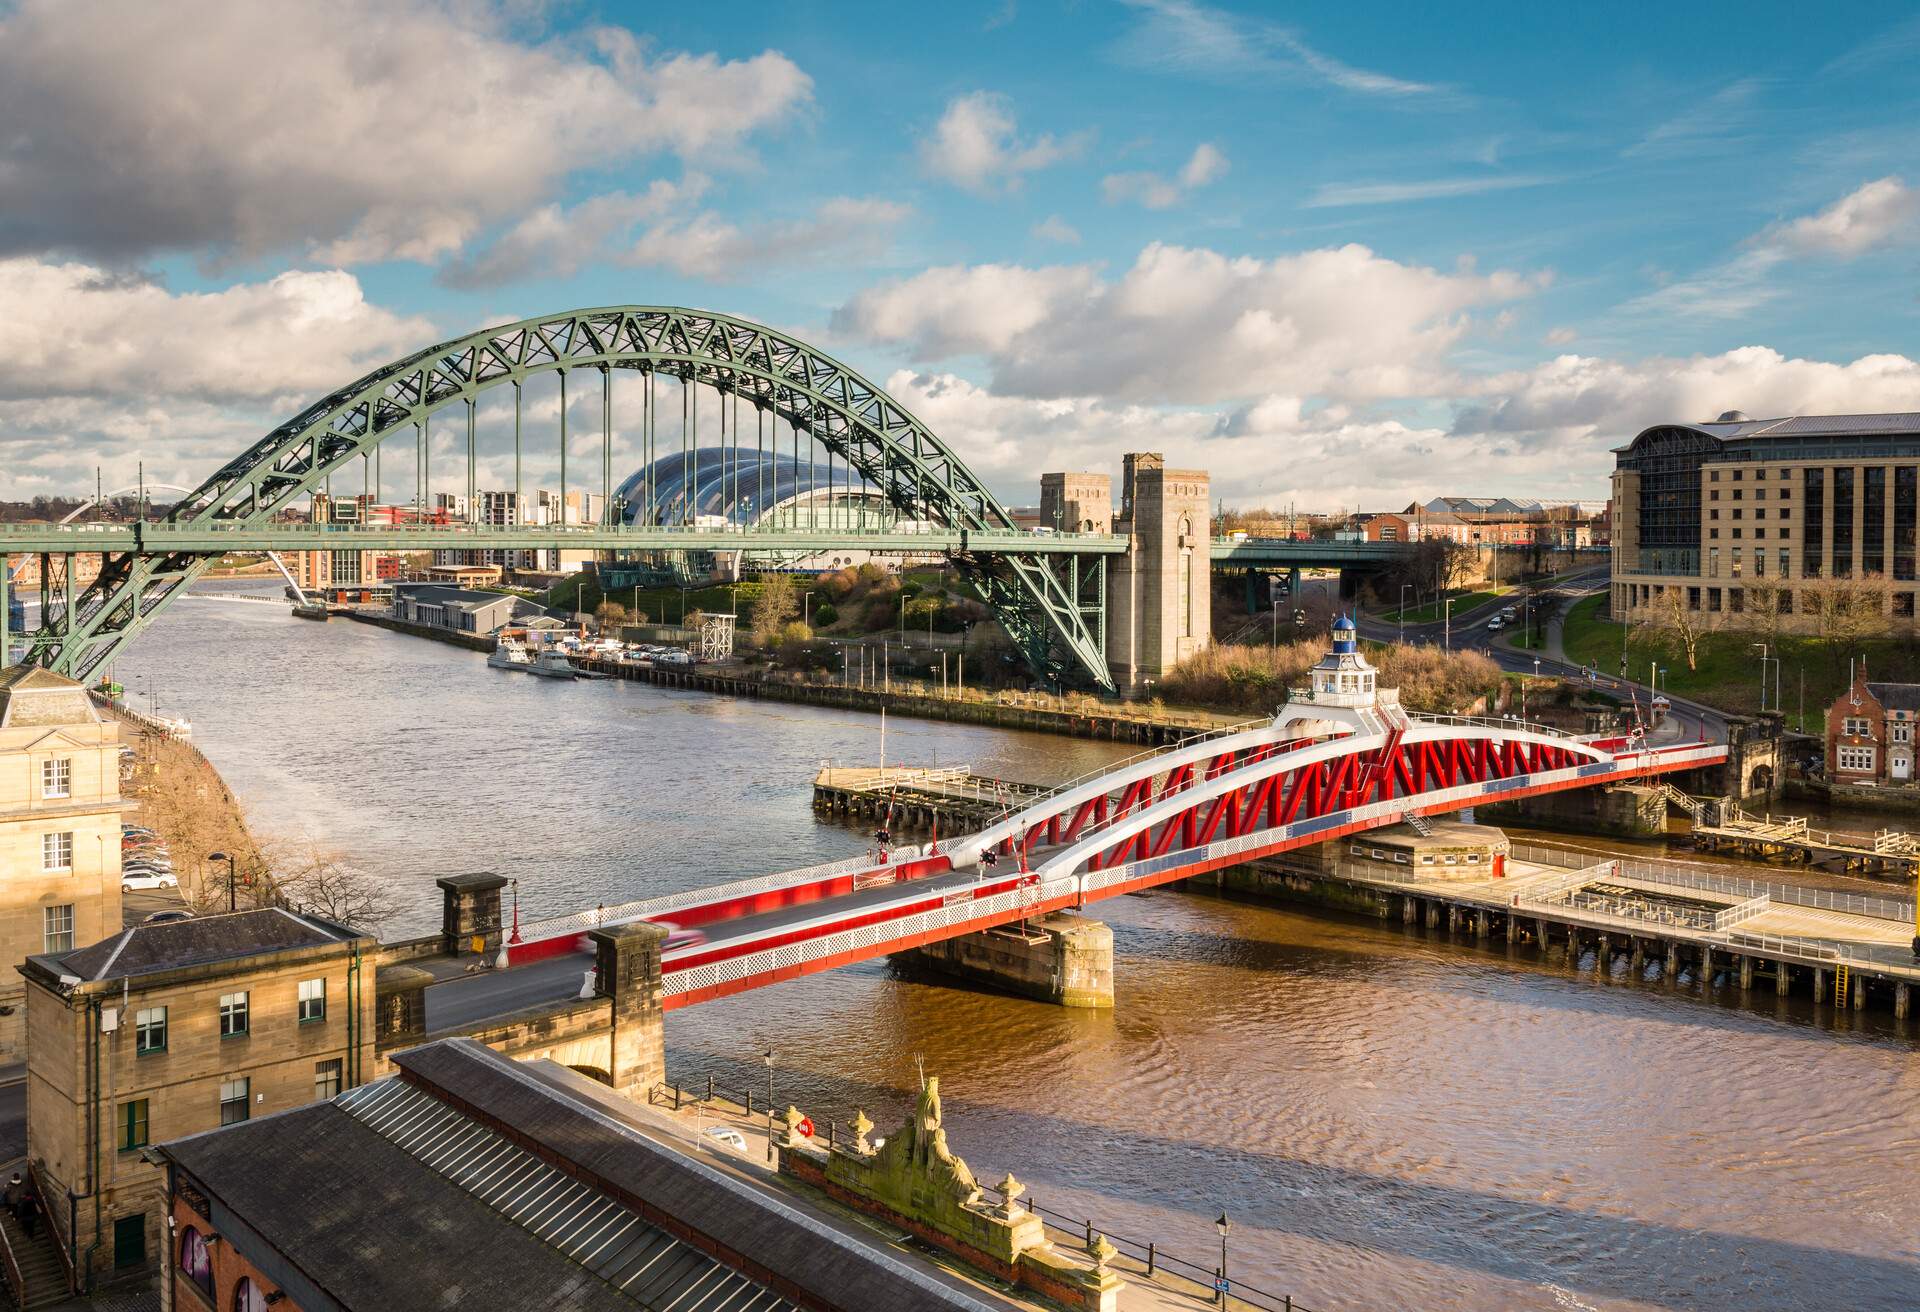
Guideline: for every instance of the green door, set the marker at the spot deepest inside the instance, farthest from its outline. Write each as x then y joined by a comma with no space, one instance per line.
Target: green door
130,1242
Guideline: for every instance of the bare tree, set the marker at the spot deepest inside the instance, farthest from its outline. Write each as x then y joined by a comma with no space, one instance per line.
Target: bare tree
1848,611
311,878
777,603
1677,623
1768,602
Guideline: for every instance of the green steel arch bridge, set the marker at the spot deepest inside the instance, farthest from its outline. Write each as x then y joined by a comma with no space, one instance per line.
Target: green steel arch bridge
1047,591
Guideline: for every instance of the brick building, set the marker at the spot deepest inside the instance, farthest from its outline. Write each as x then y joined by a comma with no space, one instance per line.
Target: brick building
1870,732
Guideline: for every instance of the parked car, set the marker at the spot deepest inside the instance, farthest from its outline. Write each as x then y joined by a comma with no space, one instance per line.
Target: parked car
726,1138
131,881
167,917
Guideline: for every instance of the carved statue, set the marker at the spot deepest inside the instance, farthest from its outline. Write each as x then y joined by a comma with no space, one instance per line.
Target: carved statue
925,1146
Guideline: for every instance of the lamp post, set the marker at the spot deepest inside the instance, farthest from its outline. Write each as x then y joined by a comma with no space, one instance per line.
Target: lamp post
1403,610
1223,1225
515,936
1763,671
769,1060
228,858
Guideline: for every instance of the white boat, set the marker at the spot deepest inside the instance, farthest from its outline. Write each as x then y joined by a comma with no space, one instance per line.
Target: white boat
552,664
509,655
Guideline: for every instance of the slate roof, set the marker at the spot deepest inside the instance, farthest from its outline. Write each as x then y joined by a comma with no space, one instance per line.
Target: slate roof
30,695
1896,696
174,945
404,1193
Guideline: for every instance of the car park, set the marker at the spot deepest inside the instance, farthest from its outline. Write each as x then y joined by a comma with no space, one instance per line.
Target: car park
132,881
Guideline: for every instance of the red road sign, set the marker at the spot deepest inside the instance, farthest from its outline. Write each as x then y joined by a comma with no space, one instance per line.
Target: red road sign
805,1127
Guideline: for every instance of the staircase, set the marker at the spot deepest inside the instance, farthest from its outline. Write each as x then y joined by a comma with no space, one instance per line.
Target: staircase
41,1270
1693,806
1420,824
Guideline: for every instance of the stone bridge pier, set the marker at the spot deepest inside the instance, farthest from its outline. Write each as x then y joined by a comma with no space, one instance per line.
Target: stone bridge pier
1060,958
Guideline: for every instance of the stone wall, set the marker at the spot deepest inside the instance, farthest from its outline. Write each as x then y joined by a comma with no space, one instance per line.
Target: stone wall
1061,958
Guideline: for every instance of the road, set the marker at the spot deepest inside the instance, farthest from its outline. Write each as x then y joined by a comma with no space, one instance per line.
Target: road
468,1001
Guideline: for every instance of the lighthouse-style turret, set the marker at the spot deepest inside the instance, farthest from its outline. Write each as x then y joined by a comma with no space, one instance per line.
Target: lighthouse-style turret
1341,695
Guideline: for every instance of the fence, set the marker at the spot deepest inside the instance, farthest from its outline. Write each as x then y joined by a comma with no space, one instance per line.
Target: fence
1672,875
1740,912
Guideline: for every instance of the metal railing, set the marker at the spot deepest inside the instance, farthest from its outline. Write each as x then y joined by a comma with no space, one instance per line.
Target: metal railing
1741,912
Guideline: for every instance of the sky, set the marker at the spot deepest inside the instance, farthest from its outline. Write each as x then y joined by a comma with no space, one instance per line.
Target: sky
1342,257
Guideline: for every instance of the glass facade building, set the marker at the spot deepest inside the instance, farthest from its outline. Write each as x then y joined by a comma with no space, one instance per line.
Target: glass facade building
731,485
1781,518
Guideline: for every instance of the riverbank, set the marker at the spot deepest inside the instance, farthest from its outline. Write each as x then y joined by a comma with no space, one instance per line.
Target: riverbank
1005,710
184,799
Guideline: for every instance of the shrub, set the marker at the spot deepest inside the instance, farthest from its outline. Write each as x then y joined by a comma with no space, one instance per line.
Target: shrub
1257,679
825,615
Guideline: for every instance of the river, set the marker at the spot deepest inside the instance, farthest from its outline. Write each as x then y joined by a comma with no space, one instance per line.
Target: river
1391,1121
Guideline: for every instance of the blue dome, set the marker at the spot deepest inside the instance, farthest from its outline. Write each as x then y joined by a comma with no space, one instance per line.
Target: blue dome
1343,624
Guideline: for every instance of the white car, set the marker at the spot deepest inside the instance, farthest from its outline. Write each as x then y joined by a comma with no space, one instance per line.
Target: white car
147,879
1496,623
726,1138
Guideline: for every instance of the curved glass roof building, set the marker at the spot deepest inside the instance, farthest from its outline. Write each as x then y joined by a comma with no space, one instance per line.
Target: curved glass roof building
731,485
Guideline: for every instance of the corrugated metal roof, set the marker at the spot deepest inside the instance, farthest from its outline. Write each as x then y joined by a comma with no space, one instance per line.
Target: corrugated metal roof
582,1223
1815,426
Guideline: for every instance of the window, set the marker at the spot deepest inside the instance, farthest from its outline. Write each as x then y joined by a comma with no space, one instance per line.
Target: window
234,1095
313,1000
1759,563
196,1263
1901,733
1786,597
1693,599
150,1030
1855,727
56,851
56,777
1843,522
1858,759
1811,563
1713,599
1903,605
326,1080
233,1015
1738,474
1786,560
247,1296
56,927
1736,599
133,1125
1713,562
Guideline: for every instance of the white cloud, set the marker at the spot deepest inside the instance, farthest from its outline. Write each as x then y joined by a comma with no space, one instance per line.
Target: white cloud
100,369
1178,36
1559,336
1392,193
1884,212
847,229
1208,163
75,330
357,130
976,145
556,241
1055,228
1709,126
1190,325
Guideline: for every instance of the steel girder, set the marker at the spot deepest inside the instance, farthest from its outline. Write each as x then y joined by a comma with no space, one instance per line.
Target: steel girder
1042,606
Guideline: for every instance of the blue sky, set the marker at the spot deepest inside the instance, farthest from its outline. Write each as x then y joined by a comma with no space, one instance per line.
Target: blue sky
1340,256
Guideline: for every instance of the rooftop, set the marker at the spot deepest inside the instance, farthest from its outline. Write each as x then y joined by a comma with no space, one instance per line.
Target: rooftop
32,696
203,940
477,1180
1896,696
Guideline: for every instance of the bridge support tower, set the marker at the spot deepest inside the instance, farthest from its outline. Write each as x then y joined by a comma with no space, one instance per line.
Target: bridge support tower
1061,958
1159,602
626,970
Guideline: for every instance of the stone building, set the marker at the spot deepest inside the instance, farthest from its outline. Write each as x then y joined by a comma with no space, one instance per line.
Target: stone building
166,1030
472,1181
1159,602
1076,503
60,811
1788,519
1870,731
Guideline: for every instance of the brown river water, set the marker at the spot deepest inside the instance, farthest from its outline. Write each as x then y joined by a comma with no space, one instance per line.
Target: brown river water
1391,1120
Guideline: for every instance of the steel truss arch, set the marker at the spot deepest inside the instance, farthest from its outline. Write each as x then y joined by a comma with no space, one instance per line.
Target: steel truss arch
891,449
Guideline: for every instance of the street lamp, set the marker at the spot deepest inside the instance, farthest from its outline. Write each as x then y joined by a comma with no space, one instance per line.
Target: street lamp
1763,672
769,1060
228,858
1223,1225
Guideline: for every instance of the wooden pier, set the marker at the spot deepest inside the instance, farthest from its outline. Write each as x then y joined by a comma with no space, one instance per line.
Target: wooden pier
1889,854
951,799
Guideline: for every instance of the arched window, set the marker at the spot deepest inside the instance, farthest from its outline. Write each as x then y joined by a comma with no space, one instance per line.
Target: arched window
195,1260
247,1297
